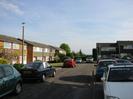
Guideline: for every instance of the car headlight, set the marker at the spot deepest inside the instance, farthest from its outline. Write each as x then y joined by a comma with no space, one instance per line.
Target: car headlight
112,97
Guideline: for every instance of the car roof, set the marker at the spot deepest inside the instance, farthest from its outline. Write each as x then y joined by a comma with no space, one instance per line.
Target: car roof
120,65
39,62
1,65
121,60
102,60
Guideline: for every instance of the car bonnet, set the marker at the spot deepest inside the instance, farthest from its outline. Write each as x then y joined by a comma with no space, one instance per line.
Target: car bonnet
122,90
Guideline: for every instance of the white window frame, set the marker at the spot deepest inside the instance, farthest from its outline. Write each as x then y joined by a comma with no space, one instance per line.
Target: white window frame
7,45
16,46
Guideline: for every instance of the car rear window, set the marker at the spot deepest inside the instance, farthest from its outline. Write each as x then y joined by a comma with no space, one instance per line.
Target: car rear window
105,63
33,65
123,61
121,74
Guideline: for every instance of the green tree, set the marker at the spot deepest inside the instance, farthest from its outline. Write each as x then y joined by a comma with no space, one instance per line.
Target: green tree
80,53
66,48
9,55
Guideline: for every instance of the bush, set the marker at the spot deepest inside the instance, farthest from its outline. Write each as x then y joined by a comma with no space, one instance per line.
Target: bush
18,66
3,61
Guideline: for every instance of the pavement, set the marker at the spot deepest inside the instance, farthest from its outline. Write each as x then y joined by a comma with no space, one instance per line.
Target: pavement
69,83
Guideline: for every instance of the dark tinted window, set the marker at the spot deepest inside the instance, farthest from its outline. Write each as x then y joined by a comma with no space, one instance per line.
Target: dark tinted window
35,65
105,63
8,70
1,73
121,74
123,61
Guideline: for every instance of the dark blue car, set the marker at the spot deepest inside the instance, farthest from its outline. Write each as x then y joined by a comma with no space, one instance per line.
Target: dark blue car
37,71
102,66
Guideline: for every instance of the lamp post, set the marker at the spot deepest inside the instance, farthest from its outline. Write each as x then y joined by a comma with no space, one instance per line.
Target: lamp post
23,42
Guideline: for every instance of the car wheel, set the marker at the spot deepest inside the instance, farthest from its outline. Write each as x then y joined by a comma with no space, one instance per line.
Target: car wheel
18,88
97,79
43,78
53,74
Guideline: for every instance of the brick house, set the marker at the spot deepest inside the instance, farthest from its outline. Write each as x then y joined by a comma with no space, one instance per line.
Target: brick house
32,50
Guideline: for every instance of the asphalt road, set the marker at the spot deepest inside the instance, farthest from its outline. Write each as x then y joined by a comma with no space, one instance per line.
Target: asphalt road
69,83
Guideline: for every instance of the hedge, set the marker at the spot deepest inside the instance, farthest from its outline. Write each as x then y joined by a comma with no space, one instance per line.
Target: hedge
3,61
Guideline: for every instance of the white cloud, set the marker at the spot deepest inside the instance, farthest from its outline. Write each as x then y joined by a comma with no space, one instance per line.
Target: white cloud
9,6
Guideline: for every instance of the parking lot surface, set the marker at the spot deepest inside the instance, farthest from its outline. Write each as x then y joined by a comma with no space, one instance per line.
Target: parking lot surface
69,83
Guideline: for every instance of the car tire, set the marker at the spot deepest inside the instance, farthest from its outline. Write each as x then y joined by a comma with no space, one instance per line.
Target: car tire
43,78
53,75
18,88
97,78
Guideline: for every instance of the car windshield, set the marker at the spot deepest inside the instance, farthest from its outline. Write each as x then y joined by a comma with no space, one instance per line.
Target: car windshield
123,61
121,74
105,63
33,65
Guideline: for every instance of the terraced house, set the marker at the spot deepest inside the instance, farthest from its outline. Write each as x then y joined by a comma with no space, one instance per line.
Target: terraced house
11,47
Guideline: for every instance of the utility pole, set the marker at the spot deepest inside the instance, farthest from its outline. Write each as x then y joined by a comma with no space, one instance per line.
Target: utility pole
23,42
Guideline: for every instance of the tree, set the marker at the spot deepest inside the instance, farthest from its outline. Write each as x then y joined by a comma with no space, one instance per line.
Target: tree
66,48
9,55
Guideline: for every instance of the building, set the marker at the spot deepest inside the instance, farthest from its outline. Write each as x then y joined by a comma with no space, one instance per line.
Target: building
11,47
119,49
32,50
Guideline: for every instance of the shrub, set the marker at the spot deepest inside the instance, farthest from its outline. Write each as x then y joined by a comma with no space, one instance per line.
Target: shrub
3,61
18,66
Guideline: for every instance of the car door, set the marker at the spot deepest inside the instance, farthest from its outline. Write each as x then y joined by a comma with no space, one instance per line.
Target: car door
9,78
47,69
2,82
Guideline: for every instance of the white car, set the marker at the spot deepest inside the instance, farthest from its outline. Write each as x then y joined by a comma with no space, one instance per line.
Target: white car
118,82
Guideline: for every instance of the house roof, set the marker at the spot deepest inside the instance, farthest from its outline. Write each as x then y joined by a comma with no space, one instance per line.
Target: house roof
36,44
124,42
56,48
9,39
105,44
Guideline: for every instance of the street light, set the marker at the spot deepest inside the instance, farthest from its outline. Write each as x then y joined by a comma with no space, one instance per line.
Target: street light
23,42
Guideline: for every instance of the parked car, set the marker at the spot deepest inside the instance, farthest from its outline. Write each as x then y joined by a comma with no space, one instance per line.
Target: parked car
89,60
118,82
69,63
38,71
78,60
102,66
10,80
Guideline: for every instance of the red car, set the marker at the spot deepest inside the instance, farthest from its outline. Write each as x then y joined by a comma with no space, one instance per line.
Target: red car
69,63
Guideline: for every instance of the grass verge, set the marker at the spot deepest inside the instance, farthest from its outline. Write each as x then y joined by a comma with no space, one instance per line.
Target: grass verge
56,65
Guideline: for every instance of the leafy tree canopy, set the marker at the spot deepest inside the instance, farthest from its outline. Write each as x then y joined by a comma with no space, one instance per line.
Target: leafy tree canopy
66,48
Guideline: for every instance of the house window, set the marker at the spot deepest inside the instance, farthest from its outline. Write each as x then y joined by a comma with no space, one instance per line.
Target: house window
7,45
128,47
108,49
46,50
25,47
37,49
15,46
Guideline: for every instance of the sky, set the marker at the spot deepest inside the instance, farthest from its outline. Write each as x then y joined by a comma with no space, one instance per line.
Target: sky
79,23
